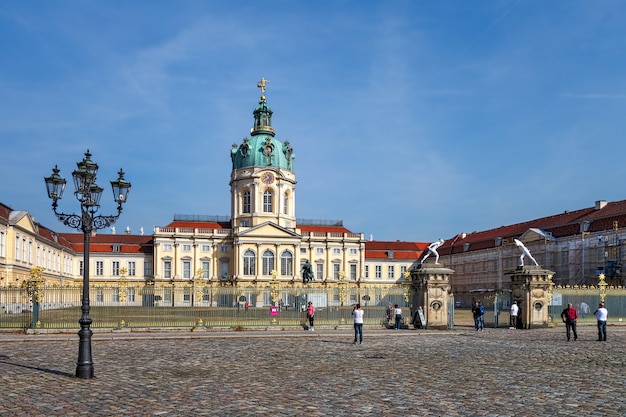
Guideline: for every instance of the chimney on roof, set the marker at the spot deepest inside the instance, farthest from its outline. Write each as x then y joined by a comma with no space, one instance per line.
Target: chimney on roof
600,204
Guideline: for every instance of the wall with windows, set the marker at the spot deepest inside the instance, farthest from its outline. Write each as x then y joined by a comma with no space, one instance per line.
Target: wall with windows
25,245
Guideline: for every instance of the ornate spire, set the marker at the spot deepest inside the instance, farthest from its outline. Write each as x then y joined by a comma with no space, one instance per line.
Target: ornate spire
261,85
262,114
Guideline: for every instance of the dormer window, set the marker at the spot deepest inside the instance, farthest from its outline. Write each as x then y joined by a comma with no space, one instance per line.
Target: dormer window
116,247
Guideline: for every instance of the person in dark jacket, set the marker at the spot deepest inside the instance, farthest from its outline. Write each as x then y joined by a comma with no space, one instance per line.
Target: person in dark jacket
478,311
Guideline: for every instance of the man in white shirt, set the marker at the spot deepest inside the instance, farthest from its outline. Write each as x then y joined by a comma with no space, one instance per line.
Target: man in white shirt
602,315
357,312
513,312
398,318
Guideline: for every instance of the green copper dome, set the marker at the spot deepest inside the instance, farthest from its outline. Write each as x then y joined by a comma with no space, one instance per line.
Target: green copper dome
262,149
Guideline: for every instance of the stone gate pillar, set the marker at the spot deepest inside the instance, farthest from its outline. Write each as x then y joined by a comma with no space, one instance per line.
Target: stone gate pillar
530,287
431,285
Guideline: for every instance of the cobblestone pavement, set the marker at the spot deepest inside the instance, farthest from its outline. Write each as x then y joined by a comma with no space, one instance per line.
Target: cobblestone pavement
497,372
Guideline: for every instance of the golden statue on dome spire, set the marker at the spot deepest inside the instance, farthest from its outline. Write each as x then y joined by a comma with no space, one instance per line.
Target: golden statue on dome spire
261,85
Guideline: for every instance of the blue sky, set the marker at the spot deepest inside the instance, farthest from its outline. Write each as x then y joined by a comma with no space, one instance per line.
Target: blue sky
410,120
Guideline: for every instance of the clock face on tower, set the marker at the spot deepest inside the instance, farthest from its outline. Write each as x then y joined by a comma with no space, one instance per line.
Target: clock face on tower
267,177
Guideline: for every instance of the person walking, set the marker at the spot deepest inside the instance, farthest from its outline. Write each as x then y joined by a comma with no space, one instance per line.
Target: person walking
398,315
584,309
513,315
478,310
569,316
358,313
602,314
310,315
389,314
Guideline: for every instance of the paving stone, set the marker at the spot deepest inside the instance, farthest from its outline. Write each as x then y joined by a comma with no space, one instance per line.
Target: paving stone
495,373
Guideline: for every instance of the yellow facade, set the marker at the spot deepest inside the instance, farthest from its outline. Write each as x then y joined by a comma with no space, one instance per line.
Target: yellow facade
25,245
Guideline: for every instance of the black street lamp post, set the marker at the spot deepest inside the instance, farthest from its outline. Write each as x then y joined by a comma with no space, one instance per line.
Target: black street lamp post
88,194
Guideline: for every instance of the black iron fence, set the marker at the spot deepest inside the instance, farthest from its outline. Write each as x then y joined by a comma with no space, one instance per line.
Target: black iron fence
189,306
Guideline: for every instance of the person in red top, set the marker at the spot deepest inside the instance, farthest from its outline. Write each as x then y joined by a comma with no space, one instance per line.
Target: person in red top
310,314
569,316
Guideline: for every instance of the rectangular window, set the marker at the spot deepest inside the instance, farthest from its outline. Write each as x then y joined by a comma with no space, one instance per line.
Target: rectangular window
391,272
115,268
267,202
186,269
286,265
268,265
3,246
353,272
167,269
244,223
186,247
206,266
379,271
224,248
131,269
99,268
303,250
167,247
116,248
246,202
336,270
319,251
319,271
99,295
147,268
80,268
402,270
249,264
353,251
205,248
336,251
367,271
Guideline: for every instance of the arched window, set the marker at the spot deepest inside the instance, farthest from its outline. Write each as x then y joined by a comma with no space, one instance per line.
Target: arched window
286,203
286,263
249,263
268,262
267,201
246,201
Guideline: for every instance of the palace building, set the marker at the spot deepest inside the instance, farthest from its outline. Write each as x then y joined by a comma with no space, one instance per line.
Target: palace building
261,241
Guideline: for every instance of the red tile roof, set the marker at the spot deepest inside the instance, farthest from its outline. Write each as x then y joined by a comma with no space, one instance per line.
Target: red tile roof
560,225
103,243
323,229
401,250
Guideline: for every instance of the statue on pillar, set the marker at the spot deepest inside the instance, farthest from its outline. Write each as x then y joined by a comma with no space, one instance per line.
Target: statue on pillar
525,252
432,248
